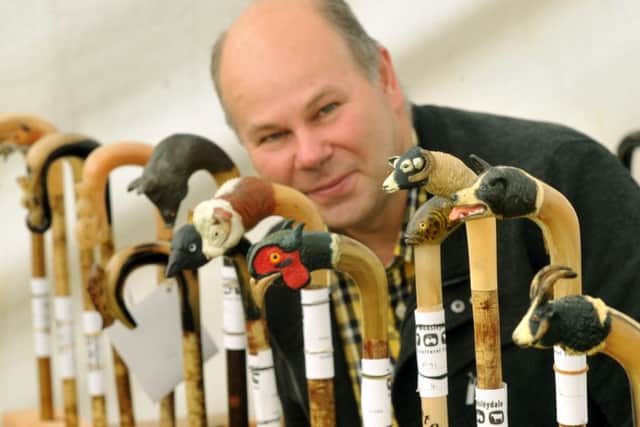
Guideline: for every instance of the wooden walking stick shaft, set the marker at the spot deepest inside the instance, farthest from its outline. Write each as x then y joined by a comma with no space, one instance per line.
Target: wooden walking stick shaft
427,260
481,239
561,231
38,270
120,369
92,324
23,130
64,317
266,399
236,383
168,403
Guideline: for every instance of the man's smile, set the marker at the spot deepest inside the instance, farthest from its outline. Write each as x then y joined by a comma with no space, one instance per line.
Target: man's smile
332,189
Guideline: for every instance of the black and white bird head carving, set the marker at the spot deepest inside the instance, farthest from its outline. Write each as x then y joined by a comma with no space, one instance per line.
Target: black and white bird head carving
186,251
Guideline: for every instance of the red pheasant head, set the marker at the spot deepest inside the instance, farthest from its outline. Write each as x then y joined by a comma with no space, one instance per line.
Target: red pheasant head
291,255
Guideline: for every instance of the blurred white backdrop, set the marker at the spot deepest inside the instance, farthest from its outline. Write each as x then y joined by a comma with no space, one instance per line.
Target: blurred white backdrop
123,70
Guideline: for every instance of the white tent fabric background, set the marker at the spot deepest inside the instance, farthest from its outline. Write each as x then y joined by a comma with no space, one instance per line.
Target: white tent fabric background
138,71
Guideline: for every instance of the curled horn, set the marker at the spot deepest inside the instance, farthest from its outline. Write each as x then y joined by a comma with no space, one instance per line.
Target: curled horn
478,164
543,281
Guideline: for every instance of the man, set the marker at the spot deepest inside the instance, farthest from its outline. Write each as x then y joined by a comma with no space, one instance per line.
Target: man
317,105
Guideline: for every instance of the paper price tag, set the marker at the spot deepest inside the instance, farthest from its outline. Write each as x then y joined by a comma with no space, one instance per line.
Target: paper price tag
263,386
158,333
233,320
571,388
316,326
376,392
41,317
431,354
491,407
64,336
376,401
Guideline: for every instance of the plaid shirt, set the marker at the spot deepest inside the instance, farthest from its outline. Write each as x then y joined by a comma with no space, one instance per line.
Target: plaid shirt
401,280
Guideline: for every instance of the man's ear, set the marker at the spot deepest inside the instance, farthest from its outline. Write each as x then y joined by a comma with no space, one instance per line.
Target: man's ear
388,79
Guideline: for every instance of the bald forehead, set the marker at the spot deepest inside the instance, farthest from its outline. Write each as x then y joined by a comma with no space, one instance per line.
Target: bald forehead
269,19
271,35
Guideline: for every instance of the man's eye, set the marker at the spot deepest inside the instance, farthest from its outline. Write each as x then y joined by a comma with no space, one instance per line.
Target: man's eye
273,137
327,109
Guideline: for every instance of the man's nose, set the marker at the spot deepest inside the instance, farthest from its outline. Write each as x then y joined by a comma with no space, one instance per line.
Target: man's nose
312,150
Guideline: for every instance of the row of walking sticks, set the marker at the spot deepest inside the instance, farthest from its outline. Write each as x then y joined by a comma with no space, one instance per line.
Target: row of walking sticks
218,230
91,164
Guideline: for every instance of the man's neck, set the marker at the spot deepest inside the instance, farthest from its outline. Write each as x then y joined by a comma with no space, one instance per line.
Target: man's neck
381,234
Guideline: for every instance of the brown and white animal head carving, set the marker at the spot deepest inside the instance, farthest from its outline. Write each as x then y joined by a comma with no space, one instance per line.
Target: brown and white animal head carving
219,225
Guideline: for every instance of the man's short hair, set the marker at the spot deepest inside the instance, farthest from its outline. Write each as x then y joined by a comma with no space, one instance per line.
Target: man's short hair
339,15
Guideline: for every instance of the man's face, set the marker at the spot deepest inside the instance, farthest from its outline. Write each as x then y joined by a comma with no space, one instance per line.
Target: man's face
309,117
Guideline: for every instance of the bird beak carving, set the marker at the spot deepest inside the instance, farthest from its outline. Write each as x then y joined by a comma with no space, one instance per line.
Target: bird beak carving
259,287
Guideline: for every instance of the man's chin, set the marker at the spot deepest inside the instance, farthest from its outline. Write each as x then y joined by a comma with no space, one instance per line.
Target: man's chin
341,217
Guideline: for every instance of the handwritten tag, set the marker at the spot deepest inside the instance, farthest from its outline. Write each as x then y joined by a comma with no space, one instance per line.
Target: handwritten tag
155,345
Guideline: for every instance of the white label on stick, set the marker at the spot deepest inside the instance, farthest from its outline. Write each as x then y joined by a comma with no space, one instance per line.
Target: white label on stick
155,344
64,334
42,344
571,388
92,325
376,392
95,380
233,320
491,407
431,354
316,326
40,316
263,386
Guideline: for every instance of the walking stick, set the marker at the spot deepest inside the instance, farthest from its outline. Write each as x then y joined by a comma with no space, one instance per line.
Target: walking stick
292,256
94,229
129,259
426,231
442,174
237,207
186,253
626,148
581,324
506,192
19,132
51,148
165,181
